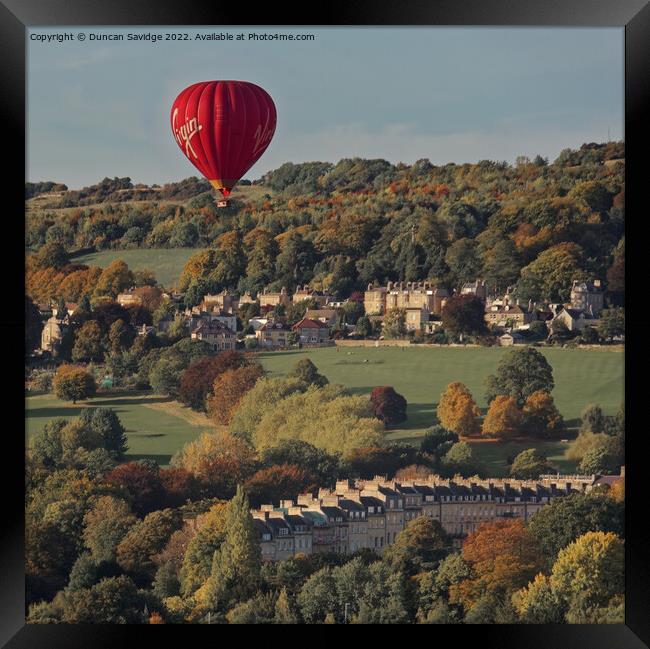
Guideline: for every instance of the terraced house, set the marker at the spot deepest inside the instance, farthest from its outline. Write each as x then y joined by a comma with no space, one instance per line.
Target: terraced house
371,513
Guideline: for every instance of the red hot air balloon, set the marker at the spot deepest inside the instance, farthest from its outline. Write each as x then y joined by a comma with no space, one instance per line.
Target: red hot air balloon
223,127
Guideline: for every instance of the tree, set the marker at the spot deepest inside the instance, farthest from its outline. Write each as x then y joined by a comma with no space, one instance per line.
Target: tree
88,345
229,389
106,423
120,337
394,323
600,459
541,418
464,314
219,461
520,372
73,383
33,325
529,465
503,556
197,381
563,520
593,419
612,323
537,603
275,483
363,327
437,440
368,461
388,405
322,465
145,540
305,370
457,411
317,597
105,525
463,261
264,395
257,610
418,547
236,565
588,573
115,278
460,459
503,418
285,612
141,480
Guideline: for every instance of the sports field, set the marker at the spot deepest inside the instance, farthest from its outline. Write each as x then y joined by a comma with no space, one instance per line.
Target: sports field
156,426
167,264
421,374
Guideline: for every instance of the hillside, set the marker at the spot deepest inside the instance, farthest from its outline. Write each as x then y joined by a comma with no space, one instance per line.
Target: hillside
532,225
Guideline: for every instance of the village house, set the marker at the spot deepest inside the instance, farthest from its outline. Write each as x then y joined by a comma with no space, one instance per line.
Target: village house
416,318
70,308
216,334
130,297
404,295
307,293
274,333
312,332
224,301
196,317
329,317
506,315
273,298
53,332
587,296
477,288
509,339
371,513
573,319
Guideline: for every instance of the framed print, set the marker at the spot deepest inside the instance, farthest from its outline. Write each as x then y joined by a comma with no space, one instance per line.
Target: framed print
325,320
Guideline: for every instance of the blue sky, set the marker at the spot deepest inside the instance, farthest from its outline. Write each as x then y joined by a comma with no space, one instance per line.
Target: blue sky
99,109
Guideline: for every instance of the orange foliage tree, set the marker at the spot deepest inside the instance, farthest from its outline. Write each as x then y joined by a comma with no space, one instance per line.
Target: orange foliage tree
457,410
541,416
503,556
503,419
229,389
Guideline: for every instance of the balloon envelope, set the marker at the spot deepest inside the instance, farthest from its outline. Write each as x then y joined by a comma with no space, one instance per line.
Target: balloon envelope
223,127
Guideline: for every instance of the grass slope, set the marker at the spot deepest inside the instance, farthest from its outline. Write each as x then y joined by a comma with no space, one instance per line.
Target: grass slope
166,263
156,426
421,375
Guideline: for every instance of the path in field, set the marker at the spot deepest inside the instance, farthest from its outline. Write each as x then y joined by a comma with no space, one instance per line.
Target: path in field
156,426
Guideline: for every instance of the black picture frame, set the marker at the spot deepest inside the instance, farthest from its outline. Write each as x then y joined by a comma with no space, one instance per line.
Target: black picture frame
17,15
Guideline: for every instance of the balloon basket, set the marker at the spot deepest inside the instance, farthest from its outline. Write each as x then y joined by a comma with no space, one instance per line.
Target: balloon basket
222,203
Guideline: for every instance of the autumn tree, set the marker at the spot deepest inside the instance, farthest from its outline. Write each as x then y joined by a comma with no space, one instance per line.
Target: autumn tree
229,389
120,337
394,323
197,381
219,461
418,547
388,405
72,383
464,314
520,372
503,418
280,482
503,556
105,525
88,345
115,278
541,418
588,574
141,480
457,411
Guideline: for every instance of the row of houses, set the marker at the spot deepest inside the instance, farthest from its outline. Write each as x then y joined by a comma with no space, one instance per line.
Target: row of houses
371,513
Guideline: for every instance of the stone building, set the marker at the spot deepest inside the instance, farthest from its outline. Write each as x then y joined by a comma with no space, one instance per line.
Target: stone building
274,298
587,296
311,332
216,334
273,333
223,301
53,333
404,295
371,513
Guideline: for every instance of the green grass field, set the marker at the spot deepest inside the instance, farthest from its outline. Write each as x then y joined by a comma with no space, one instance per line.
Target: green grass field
156,427
167,264
421,374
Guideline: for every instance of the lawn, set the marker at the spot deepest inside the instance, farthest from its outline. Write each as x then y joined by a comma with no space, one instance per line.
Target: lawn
166,263
156,426
421,374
